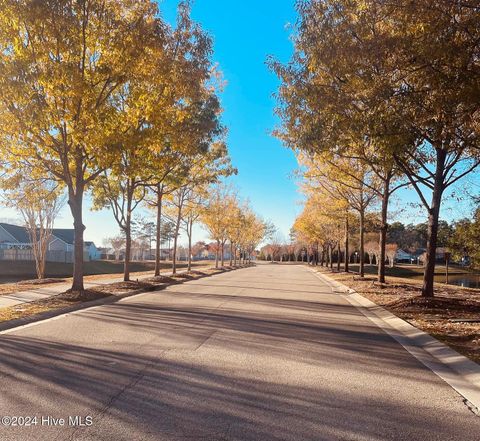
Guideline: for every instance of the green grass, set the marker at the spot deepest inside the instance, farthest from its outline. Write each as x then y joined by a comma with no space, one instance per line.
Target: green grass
456,275
411,271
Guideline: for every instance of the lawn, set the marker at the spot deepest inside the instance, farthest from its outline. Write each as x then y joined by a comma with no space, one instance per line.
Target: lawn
24,270
457,275
413,271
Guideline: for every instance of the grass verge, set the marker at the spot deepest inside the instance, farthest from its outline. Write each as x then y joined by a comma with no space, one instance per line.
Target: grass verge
27,285
66,301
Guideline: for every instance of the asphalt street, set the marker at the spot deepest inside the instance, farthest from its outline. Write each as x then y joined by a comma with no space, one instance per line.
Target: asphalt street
262,353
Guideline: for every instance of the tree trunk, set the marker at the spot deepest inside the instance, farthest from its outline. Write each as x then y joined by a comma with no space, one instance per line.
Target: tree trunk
223,253
383,231
433,217
216,253
231,253
339,254
128,232
190,228
128,251
347,251
175,240
361,270
174,255
159,230
76,207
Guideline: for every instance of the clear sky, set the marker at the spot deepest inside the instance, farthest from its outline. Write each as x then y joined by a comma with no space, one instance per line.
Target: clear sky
245,32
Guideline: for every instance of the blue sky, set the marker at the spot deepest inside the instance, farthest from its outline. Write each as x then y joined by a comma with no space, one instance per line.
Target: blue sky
245,33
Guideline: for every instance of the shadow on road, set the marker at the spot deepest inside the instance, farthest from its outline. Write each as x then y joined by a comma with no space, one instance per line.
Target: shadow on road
223,366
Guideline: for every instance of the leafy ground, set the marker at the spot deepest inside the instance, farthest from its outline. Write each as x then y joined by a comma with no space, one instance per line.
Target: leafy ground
97,270
64,300
14,271
453,316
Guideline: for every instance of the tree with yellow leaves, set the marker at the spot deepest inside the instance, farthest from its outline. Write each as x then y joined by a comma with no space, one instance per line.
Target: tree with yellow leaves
170,115
348,182
398,78
253,231
216,216
63,67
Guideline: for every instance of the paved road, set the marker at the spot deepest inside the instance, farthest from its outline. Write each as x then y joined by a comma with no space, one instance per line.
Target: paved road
265,353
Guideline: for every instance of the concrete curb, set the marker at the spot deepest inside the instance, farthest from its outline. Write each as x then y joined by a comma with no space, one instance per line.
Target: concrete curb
458,371
15,324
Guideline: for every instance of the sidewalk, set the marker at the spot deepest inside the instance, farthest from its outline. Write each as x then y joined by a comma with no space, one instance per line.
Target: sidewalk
33,295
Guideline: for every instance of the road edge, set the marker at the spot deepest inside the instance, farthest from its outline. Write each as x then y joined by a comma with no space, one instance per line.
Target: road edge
458,371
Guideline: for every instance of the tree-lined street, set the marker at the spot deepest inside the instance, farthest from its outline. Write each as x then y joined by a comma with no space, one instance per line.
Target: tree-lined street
267,353
287,195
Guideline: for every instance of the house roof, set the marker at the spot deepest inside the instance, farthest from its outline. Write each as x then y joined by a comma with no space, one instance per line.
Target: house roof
400,251
65,234
20,234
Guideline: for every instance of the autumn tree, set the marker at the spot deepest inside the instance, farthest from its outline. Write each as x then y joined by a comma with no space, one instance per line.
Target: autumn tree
399,76
63,66
235,231
436,57
170,115
215,216
348,183
323,109
39,202
253,231
191,213
117,243
177,204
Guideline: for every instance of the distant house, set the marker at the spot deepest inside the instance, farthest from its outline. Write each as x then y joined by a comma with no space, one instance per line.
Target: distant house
106,253
62,240
15,244
207,251
211,248
402,256
94,253
440,255
14,236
